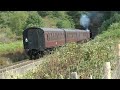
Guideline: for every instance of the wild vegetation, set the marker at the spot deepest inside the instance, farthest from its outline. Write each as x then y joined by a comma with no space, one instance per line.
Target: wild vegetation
86,59
12,24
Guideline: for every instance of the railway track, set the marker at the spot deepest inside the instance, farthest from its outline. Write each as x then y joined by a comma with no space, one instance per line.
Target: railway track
19,68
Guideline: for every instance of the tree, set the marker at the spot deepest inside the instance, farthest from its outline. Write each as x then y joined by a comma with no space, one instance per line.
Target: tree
75,15
34,19
18,21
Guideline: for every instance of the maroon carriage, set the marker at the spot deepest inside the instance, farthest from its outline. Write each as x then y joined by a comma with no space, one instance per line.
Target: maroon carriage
54,37
36,40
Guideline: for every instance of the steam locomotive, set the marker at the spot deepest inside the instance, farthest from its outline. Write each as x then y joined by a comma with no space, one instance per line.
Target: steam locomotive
37,40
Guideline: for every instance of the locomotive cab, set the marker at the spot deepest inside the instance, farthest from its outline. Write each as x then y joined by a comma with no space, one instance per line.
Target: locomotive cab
33,40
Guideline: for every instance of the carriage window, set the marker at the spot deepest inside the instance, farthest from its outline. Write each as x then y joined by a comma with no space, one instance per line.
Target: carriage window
67,35
71,35
58,35
54,36
51,36
61,36
47,37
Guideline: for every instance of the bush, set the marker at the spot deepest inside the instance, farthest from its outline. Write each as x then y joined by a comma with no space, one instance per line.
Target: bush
87,59
5,18
64,24
44,13
6,35
18,21
34,20
75,15
113,32
107,23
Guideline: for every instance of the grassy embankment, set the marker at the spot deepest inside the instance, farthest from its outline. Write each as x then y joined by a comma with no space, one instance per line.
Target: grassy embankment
87,59
11,52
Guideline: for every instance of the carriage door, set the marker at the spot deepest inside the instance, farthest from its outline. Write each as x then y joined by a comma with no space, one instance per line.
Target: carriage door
33,39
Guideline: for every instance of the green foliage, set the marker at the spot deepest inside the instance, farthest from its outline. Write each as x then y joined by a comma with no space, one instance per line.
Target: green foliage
11,47
75,15
11,52
5,18
64,24
6,35
44,13
18,21
112,32
107,23
87,59
58,19
59,14
34,20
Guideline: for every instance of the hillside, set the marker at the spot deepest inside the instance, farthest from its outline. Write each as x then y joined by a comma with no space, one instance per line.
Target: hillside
12,23
87,59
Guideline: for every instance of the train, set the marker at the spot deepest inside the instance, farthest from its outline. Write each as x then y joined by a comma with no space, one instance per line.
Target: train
37,40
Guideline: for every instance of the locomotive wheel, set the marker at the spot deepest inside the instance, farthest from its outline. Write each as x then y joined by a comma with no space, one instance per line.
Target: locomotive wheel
42,54
31,57
37,56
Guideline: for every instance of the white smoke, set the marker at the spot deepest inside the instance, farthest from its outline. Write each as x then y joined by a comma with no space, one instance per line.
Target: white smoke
85,21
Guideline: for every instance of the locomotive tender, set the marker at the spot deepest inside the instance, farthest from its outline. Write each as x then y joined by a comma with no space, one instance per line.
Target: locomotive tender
37,40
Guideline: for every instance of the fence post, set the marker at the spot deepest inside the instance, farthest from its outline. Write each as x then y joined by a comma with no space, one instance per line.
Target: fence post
107,71
74,75
90,76
119,50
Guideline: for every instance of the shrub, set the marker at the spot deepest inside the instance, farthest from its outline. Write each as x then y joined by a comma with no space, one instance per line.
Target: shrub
34,19
44,13
18,21
107,23
64,24
87,59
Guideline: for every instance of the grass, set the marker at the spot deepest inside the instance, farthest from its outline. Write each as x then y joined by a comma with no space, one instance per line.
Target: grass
11,47
11,52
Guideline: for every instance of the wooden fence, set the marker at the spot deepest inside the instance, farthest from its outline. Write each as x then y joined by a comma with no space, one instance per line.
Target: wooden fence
106,70
106,74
